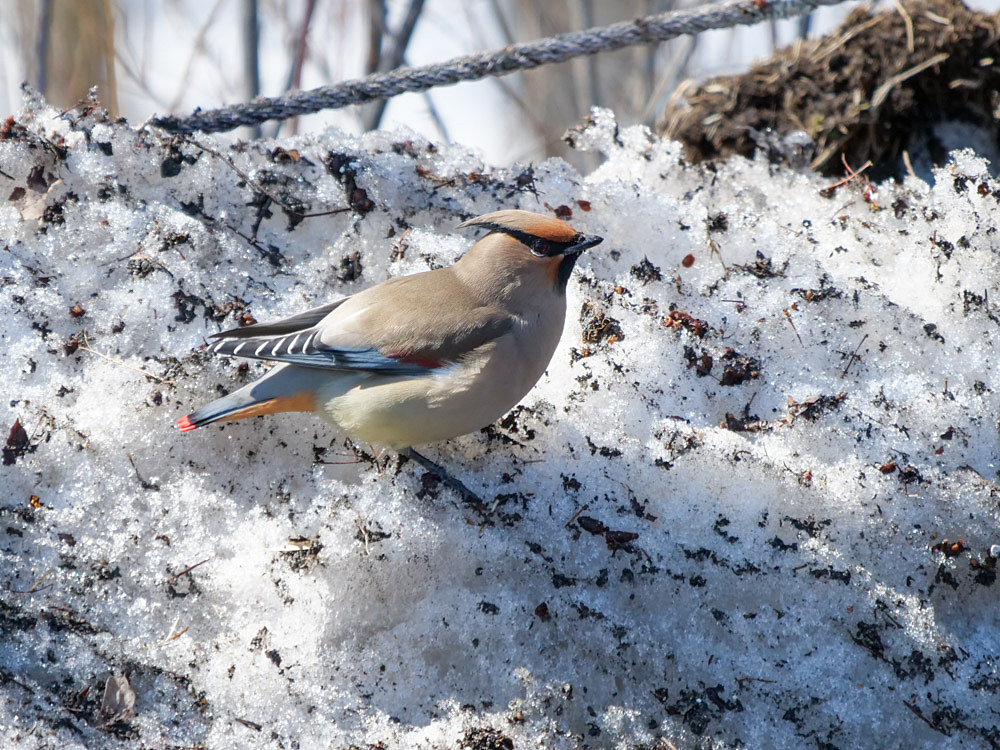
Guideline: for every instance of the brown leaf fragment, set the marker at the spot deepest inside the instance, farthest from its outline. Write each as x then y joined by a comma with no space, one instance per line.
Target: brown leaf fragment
616,539
36,179
17,444
591,525
118,703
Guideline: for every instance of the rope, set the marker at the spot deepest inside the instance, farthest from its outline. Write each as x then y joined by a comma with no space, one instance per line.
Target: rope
512,58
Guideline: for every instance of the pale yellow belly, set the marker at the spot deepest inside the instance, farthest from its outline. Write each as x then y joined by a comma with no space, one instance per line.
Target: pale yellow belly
398,412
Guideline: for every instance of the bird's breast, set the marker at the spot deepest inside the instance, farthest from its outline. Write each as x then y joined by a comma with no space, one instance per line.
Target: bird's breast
457,398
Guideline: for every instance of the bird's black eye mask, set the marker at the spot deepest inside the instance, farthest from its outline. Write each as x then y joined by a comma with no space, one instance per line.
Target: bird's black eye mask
544,248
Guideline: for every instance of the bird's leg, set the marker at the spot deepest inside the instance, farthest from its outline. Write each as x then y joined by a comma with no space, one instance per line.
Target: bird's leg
375,456
445,478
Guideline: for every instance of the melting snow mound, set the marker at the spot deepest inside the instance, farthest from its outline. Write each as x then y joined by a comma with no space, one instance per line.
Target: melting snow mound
752,503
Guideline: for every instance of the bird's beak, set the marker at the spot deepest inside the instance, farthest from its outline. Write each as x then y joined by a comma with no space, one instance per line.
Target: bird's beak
582,242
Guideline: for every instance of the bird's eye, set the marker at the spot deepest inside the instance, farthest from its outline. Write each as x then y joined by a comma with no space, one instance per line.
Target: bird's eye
541,248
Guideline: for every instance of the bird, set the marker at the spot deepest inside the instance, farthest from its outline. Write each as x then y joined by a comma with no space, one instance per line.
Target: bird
419,358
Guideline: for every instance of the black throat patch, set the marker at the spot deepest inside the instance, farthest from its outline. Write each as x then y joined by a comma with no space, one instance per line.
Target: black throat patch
565,270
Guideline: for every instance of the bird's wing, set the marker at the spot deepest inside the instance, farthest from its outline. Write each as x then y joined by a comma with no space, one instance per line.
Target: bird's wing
407,326
294,324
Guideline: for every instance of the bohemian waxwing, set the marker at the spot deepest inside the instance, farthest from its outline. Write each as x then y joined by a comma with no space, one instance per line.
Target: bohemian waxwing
424,357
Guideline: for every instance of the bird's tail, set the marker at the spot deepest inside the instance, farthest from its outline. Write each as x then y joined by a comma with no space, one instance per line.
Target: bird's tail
285,388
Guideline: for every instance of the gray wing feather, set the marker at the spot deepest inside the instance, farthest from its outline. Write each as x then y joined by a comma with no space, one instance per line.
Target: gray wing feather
294,324
303,348
420,342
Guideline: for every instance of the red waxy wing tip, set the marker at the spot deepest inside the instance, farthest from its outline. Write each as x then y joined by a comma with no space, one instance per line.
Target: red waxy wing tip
430,364
184,424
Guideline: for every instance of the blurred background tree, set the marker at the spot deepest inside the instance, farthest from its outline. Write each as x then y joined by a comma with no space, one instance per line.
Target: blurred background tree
68,46
171,56
633,82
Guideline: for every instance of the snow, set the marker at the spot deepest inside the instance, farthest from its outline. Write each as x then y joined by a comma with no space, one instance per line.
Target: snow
752,556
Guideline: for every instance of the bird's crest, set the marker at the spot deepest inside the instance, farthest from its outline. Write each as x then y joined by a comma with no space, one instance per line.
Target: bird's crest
524,222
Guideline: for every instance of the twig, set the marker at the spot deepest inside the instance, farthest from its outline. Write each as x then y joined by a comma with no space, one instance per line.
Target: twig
365,535
854,356
145,484
851,174
578,512
34,587
395,58
678,63
174,634
919,714
376,32
294,80
909,24
198,47
444,477
788,317
938,19
714,249
435,116
256,186
508,90
251,53
88,348
883,91
187,570
835,45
